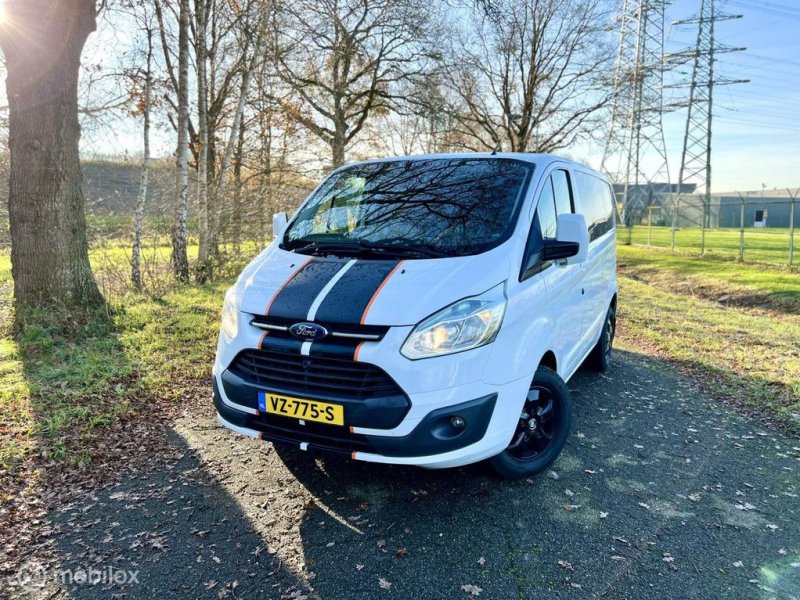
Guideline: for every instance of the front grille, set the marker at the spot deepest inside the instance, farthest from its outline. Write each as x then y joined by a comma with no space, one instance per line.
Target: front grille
280,326
313,375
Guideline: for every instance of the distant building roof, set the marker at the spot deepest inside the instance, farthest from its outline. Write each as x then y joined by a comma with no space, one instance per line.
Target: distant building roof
659,188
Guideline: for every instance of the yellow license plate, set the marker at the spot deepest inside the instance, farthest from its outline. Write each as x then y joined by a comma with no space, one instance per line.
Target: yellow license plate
299,408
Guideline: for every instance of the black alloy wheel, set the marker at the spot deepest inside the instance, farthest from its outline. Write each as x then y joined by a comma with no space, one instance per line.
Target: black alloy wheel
542,430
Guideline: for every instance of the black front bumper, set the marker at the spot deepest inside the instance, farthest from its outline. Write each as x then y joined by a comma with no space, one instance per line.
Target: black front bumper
433,435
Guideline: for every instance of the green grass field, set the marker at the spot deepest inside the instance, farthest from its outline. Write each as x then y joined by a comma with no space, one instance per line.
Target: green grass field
725,275
760,245
64,377
734,328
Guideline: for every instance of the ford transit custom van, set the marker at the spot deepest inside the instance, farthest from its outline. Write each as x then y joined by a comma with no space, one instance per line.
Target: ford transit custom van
427,311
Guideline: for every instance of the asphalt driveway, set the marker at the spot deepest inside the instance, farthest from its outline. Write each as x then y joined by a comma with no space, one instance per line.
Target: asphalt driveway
659,494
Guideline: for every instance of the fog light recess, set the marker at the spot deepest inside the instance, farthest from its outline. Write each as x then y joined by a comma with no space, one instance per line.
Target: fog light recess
457,423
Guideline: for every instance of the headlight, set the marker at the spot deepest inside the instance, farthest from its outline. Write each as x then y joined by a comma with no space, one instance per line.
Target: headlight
230,314
466,324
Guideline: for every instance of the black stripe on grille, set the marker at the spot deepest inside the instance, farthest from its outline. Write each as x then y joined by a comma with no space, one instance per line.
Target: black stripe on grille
314,375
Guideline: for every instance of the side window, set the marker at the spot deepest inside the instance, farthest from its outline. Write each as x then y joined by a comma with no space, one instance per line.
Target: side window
562,191
594,201
546,209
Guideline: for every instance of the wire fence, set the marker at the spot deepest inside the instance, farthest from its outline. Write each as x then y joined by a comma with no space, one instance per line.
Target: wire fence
745,228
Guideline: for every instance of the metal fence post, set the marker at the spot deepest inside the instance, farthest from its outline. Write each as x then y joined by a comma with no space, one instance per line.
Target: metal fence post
741,229
649,225
675,216
791,226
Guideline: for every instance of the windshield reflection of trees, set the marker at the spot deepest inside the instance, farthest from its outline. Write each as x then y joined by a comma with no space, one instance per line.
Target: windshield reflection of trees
454,205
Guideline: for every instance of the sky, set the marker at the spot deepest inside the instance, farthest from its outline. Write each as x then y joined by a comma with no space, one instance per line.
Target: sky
756,132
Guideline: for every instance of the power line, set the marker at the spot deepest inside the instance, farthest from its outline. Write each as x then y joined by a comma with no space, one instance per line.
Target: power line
696,154
764,7
636,132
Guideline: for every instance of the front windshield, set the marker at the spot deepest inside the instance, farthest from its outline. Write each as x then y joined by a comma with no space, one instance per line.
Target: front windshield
453,207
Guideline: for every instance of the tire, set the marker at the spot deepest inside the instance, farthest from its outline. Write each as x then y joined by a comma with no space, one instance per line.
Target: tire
534,448
599,358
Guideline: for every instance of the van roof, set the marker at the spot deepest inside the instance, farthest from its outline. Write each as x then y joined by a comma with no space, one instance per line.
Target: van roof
539,159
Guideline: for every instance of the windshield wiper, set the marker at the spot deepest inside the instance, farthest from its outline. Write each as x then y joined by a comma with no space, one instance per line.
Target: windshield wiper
410,249
360,248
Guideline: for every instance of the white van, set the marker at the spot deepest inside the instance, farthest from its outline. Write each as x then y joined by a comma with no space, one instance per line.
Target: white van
425,311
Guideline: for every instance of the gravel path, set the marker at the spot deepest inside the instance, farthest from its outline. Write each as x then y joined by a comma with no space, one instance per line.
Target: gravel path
659,494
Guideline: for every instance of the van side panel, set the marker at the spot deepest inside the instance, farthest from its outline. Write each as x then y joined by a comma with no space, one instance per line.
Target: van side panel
595,200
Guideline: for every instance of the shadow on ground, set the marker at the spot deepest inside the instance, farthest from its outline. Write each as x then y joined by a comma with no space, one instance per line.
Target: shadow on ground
659,493
174,532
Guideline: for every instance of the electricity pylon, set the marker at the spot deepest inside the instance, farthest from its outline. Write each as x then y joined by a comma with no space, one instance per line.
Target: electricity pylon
696,155
635,152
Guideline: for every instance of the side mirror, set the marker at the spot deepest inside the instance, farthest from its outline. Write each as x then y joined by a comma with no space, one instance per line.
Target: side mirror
572,240
279,223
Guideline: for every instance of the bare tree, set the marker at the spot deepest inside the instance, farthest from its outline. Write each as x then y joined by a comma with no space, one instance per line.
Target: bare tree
42,42
531,77
180,258
341,59
138,220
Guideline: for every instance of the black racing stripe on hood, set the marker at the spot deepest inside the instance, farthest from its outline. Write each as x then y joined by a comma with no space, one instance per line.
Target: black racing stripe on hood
348,299
296,297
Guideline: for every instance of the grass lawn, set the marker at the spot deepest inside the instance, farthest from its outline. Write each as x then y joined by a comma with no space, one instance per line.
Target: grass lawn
753,360
734,327
64,377
760,245
713,277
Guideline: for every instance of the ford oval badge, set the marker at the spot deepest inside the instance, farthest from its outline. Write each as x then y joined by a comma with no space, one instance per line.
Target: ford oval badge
308,332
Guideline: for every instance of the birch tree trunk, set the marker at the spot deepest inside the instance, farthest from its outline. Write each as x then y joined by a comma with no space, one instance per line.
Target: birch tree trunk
138,220
236,230
42,42
201,9
180,258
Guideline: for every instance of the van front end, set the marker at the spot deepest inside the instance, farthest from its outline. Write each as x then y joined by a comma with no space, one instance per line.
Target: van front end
354,393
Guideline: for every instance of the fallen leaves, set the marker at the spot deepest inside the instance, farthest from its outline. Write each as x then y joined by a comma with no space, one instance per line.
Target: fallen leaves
401,552
383,584
564,564
619,539
472,590
481,561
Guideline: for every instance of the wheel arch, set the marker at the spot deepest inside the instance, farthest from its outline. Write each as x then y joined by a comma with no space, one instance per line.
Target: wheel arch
549,360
